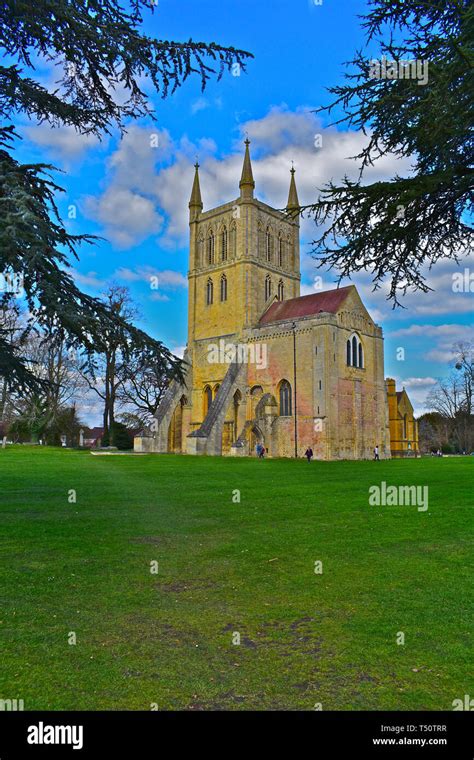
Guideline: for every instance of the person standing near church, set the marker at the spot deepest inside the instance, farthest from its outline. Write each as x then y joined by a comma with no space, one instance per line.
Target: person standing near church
376,454
309,454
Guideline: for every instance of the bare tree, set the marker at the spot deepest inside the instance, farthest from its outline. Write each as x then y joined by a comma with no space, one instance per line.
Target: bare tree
105,373
145,380
452,397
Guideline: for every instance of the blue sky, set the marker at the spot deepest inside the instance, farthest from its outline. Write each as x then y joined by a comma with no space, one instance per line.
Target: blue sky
136,195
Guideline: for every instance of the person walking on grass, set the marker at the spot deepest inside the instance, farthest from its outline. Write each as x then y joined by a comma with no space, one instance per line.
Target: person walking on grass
309,454
376,454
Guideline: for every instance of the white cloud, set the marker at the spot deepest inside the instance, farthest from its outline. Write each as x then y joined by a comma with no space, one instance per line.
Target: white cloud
278,138
128,217
64,142
167,278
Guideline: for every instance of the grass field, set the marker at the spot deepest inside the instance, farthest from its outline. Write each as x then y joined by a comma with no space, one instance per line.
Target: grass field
226,567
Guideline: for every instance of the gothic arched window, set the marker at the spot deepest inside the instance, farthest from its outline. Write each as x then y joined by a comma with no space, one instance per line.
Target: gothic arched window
224,244
354,352
281,290
209,292
290,253
200,261
210,248
207,399
280,250
268,244
260,241
268,287
223,288
233,241
285,399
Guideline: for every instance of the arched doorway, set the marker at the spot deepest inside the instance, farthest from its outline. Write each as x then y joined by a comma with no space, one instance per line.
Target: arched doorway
175,430
237,402
256,436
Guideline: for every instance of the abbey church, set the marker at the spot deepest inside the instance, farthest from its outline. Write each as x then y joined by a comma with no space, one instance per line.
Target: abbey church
266,365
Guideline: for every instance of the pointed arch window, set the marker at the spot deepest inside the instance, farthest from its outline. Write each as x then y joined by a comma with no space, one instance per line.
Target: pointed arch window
223,288
209,292
354,352
269,244
281,291
260,241
285,399
233,241
207,399
200,261
224,244
280,250
289,250
268,287
210,248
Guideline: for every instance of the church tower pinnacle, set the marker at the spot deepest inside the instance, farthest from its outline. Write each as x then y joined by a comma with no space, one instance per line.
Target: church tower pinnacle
195,202
247,184
293,203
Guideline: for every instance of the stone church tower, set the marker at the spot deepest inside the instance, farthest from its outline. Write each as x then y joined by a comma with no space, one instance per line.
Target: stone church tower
265,364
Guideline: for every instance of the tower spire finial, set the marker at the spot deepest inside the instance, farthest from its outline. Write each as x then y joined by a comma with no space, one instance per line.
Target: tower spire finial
293,203
195,202
247,183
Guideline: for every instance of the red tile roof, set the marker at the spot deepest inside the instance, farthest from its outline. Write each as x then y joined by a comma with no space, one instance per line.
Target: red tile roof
305,306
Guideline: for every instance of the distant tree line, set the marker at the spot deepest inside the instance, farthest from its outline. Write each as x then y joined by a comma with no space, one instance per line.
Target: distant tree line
449,425
127,386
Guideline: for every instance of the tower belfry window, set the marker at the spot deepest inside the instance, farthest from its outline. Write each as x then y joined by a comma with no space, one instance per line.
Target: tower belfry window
224,244
209,292
269,245
233,241
280,251
223,288
210,248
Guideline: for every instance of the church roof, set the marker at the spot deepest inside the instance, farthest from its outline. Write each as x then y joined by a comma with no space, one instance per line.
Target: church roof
306,306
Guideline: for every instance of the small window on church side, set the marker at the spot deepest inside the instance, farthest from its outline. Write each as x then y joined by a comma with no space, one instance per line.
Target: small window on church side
285,399
280,251
281,291
268,287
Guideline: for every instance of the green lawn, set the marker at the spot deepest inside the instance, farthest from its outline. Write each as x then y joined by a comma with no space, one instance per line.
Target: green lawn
228,567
